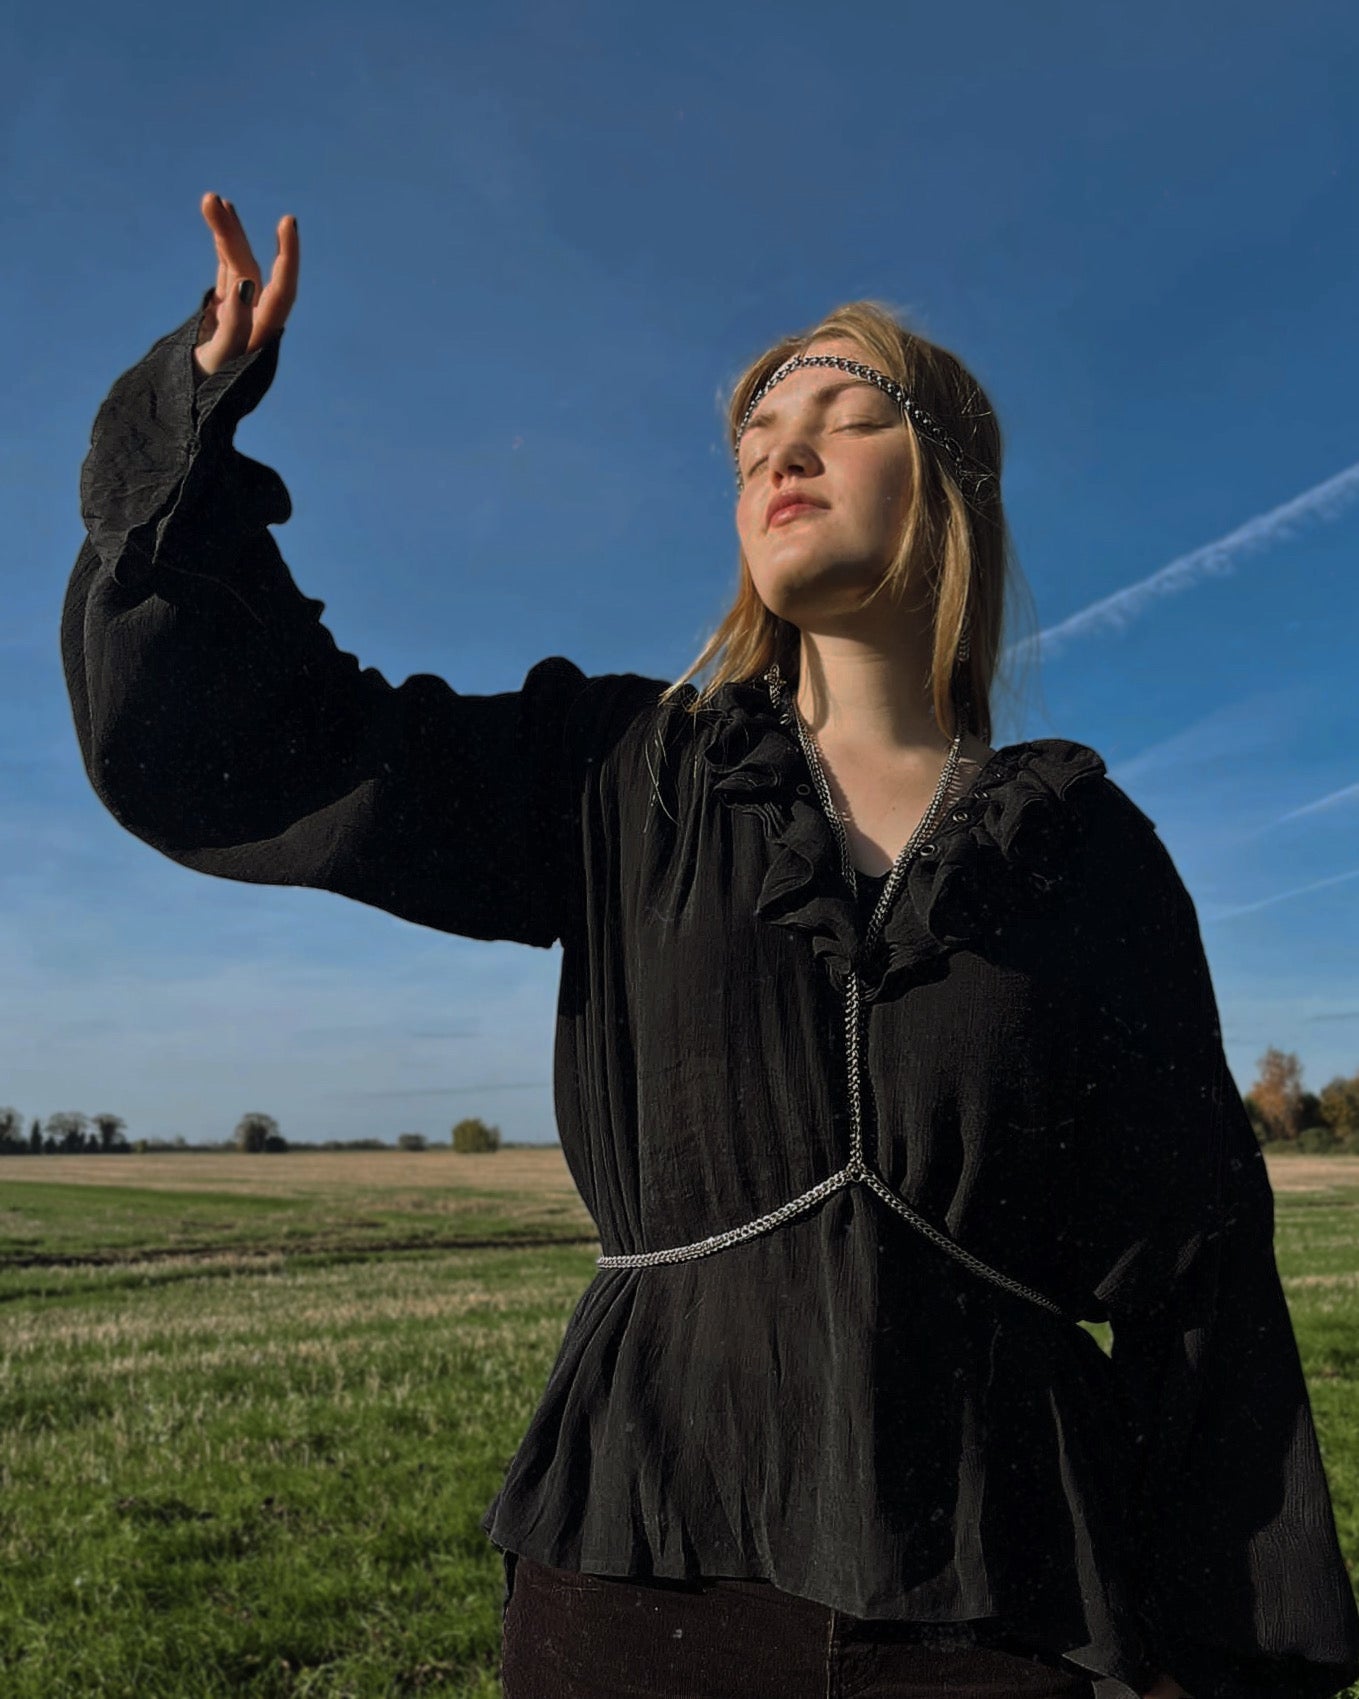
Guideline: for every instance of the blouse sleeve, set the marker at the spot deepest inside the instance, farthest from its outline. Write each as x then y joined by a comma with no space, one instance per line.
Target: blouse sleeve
220,723
1238,1556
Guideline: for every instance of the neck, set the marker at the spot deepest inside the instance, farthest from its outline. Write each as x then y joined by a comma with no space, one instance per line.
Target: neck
868,701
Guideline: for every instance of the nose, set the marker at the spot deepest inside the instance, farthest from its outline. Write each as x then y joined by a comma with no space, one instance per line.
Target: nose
793,455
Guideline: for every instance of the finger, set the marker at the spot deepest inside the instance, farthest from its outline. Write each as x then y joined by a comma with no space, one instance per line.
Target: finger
233,249
276,301
214,211
226,322
236,320
240,258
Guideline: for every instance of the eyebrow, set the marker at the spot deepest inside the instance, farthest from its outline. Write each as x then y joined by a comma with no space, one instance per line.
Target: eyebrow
767,415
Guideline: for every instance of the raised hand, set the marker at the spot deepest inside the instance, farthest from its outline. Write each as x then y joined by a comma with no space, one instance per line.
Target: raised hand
233,326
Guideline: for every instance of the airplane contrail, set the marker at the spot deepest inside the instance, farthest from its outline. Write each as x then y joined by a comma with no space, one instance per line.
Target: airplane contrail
1283,896
1115,612
1344,794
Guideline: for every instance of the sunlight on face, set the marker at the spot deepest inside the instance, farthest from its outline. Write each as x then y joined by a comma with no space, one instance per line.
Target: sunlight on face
841,443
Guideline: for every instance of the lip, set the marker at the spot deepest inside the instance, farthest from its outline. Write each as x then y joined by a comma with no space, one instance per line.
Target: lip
793,504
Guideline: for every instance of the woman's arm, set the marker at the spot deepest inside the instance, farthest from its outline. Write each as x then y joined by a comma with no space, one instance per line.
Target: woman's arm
1230,1513
219,721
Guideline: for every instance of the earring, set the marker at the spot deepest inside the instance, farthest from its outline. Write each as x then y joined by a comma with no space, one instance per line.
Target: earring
962,690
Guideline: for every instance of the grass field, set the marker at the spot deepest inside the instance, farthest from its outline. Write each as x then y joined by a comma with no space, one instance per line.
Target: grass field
254,1407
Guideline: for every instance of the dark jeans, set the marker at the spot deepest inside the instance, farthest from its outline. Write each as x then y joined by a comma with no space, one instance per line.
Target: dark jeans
568,1635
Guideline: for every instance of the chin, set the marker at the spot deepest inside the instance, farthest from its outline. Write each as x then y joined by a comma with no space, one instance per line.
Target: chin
807,587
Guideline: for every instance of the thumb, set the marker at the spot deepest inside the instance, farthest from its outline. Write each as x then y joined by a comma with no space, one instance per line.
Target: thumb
229,325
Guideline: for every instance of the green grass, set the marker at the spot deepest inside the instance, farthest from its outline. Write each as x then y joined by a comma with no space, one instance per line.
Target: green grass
50,1221
268,1483
262,1473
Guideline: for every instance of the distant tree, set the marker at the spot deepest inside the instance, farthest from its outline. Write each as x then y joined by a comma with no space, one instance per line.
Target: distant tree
1339,1105
1279,1093
254,1131
411,1141
66,1130
35,1137
110,1129
475,1134
1256,1116
11,1133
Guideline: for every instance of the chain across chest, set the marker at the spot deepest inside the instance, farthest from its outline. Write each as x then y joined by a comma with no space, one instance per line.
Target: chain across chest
856,1170
880,810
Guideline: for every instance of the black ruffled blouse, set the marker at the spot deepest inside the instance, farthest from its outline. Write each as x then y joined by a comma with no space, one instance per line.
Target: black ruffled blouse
852,1404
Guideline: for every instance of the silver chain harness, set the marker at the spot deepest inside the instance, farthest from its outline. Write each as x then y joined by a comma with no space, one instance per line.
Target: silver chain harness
856,1171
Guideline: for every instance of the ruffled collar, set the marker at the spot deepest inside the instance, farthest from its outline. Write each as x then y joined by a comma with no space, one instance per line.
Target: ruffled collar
999,854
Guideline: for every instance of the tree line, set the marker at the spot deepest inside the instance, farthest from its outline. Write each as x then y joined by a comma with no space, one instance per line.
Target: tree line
1282,1111
68,1133
1286,1115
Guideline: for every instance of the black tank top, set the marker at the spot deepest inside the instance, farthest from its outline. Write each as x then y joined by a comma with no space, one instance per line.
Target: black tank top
869,885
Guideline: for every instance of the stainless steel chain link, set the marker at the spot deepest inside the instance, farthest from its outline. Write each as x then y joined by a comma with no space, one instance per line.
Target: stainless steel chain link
856,1171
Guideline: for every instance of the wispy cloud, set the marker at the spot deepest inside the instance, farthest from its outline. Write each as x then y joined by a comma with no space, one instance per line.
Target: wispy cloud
374,1029
1258,729
1332,799
447,1090
1252,735
1324,501
174,1044
1114,613
1283,896
1347,793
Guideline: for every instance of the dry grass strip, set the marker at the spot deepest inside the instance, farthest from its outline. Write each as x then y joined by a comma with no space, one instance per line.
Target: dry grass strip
310,1173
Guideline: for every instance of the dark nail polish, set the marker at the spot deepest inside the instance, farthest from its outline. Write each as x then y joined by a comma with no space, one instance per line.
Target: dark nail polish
247,290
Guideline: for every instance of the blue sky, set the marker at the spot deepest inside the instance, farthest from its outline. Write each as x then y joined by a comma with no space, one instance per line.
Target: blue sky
538,242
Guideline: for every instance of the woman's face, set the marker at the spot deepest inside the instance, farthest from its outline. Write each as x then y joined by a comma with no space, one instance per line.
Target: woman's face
841,443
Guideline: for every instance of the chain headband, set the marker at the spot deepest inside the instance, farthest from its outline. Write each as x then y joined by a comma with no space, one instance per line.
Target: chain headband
969,472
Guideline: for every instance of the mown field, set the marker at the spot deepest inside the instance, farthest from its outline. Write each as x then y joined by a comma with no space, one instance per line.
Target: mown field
253,1408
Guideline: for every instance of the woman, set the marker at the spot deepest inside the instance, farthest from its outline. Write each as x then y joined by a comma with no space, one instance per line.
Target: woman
884,1059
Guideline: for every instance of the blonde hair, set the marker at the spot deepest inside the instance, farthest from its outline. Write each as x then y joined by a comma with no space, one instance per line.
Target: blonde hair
957,547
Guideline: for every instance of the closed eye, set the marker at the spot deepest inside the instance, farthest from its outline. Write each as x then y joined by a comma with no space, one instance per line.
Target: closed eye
755,466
